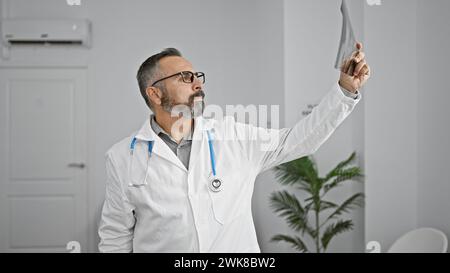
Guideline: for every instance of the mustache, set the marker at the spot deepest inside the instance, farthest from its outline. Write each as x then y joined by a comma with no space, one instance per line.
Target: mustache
198,94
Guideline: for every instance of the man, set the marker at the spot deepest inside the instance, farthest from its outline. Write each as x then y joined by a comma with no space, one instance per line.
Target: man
179,185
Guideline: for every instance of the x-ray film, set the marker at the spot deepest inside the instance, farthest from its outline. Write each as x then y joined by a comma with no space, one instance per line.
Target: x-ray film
348,40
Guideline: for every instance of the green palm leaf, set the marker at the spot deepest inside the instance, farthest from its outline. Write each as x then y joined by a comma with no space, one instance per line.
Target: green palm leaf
288,206
303,175
302,171
356,200
323,205
353,173
337,170
335,229
295,242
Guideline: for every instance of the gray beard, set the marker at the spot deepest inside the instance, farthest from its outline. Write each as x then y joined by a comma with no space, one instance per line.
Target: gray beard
187,111
198,108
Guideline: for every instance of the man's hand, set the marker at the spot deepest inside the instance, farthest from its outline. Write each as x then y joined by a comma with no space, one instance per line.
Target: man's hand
354,71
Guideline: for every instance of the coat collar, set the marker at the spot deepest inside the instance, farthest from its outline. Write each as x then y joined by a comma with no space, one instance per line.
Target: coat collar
158,130
201,124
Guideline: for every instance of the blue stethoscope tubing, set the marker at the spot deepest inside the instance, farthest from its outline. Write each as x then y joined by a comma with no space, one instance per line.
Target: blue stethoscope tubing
150,146
212,157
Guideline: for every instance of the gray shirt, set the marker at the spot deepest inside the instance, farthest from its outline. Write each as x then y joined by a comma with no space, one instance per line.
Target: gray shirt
183,150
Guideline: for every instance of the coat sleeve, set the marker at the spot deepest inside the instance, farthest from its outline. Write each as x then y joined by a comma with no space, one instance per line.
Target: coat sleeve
117,219
268,148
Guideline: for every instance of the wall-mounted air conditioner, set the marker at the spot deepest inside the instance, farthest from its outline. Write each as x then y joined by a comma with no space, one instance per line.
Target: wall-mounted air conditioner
35,32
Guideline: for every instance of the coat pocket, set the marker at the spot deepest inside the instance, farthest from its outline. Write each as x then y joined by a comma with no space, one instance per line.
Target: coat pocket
224,201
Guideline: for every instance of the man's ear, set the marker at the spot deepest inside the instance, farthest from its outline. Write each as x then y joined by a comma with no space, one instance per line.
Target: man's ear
153,95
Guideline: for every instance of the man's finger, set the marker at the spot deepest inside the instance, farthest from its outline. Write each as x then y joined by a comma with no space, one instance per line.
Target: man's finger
365,73
346,66
351,69
342,65
369,71
359,46
360,56
359,66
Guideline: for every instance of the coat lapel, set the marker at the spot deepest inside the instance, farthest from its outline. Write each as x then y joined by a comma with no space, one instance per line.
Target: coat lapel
160,148
199,149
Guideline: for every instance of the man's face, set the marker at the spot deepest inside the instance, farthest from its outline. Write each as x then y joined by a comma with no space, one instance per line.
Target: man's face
178,92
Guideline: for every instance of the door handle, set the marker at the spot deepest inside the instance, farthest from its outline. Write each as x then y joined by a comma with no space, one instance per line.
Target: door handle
76,165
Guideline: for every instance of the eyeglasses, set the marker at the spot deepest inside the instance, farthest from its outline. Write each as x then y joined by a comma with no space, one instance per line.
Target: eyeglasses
187,76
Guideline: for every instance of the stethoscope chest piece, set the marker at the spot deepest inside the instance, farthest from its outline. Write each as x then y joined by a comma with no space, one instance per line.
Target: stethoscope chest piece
216,185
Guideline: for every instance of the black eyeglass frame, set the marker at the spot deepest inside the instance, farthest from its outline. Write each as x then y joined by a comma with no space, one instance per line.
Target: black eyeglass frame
197,75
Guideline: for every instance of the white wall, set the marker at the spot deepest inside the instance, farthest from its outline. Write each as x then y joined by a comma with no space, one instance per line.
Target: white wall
407,132
391,127
237,43
433,41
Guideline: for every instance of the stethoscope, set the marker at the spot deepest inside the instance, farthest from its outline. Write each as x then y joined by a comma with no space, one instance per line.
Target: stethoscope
215,185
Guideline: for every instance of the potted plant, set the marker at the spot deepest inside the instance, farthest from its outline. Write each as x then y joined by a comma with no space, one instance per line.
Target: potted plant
303,175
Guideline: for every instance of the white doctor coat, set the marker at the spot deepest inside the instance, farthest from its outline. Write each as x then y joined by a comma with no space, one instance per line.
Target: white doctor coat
175,210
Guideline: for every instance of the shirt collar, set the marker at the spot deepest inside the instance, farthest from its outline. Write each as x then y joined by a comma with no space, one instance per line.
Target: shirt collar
147,133
158,130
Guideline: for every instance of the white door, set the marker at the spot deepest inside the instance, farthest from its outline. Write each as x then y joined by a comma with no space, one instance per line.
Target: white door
43,181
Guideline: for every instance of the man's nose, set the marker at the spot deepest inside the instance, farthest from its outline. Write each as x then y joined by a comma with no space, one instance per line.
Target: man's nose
197,85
